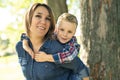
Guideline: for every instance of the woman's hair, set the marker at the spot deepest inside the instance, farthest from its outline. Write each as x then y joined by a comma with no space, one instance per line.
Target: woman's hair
29,15
68,17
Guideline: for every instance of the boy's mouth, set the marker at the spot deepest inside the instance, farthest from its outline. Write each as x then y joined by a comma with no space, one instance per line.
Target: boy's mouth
64,39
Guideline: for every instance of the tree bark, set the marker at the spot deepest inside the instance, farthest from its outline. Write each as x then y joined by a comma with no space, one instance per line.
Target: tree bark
100,22
58,7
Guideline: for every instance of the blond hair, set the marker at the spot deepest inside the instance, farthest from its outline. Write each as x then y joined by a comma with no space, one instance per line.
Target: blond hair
68,17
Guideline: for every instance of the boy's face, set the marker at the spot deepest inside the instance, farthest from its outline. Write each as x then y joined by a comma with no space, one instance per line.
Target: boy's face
66,31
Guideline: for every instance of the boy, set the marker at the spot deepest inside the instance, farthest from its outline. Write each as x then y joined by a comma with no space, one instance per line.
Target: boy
66,28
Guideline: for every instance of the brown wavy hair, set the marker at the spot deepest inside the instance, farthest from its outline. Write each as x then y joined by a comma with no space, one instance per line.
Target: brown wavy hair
29,15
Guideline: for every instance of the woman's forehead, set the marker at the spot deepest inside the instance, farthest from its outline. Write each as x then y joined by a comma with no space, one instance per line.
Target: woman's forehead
42,10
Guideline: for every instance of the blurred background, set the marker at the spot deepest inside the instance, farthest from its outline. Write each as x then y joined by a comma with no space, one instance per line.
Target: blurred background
12,25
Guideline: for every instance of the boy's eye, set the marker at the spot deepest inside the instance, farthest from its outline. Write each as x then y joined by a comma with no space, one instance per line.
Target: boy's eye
69,31
61,29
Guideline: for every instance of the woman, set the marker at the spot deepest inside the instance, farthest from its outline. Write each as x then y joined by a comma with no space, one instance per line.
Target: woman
39,23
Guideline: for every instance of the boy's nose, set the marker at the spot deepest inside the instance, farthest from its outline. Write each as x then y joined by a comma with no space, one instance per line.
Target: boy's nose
65,34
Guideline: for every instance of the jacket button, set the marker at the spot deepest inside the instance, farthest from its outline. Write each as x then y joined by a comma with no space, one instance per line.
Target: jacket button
46,66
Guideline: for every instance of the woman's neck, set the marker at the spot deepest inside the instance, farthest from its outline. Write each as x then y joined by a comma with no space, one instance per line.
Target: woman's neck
37,42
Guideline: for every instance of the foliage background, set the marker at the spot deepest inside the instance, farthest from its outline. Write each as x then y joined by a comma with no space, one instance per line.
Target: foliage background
12,21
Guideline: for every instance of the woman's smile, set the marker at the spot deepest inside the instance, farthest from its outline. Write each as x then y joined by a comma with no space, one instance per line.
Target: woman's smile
41,28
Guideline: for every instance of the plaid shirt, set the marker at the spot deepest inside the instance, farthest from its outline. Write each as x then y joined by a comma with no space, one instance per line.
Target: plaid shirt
70,51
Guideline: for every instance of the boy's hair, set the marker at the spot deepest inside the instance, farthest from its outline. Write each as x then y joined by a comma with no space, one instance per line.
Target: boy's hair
68,17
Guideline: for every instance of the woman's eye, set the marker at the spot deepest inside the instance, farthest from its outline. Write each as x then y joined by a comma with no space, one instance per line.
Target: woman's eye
38,16
48,19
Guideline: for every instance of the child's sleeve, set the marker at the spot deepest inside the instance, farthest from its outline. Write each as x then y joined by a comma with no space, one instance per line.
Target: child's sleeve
69,52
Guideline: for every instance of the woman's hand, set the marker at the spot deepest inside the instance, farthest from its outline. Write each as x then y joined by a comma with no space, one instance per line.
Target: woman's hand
42,57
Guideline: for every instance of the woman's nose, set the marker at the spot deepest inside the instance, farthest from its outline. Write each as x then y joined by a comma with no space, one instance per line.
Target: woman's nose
42,21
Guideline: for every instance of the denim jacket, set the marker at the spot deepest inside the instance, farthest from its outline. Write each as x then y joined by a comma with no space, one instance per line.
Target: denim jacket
47,70
33,70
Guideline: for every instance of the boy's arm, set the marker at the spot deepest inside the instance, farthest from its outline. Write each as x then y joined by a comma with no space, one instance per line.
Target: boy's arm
27,48
70,51
25,39
86,78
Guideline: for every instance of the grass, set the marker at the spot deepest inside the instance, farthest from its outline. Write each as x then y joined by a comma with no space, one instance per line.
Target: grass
10,68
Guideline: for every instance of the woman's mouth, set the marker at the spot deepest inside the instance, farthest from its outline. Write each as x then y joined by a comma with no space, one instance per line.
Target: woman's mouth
42,28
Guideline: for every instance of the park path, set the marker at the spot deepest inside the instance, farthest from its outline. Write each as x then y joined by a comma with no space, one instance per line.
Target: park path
10,69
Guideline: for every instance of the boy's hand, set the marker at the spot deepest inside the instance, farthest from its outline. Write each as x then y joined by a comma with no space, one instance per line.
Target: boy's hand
31,53
42,57
86,78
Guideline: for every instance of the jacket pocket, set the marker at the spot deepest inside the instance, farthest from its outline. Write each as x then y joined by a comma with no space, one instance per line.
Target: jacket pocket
23,63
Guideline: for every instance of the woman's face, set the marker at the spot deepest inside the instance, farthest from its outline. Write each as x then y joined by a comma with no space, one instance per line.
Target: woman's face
40,22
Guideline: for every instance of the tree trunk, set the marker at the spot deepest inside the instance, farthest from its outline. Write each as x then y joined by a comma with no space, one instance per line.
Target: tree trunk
58,7
100,21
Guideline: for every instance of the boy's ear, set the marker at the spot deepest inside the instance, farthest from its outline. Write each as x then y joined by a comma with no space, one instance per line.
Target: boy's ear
56,29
